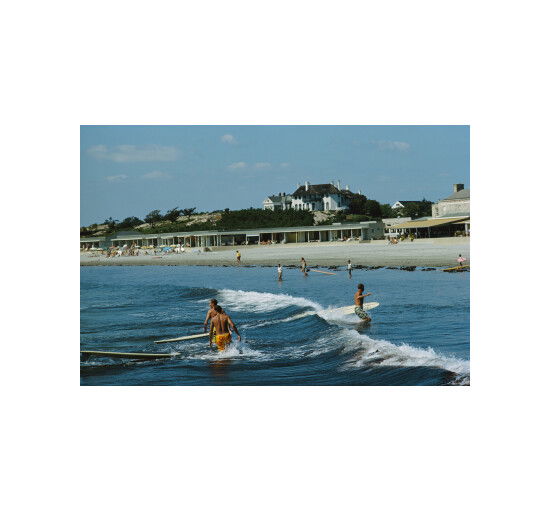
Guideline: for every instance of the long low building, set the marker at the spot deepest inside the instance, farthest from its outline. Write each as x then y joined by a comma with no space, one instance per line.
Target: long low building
431,227
362,231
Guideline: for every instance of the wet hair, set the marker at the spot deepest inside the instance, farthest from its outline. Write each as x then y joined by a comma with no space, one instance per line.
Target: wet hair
214,301
360,286
218,309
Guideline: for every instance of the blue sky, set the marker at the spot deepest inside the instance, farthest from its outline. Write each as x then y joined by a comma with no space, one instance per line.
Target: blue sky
131,170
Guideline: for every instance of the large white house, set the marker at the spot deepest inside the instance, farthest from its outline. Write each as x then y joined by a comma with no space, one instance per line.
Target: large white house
313,197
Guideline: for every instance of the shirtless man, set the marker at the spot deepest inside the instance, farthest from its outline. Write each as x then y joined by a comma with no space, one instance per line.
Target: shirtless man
358,298
223,324
211,313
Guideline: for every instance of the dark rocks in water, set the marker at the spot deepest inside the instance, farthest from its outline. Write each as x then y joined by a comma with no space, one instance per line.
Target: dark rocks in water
372,268
291,266
334,268
392,267
429,269
407,268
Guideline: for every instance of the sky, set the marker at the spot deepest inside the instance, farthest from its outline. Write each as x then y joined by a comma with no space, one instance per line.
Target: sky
132,170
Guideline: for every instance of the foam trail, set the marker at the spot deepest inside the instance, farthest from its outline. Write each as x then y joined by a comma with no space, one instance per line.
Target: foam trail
259,302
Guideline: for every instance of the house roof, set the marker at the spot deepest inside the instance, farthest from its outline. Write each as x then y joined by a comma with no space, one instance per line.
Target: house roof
407,202
280,198
432,222
321,189
459,195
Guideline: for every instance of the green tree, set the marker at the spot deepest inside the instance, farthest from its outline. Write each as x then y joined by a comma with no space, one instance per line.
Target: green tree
387,211
153,217
172,214
188,212
130,222
111,224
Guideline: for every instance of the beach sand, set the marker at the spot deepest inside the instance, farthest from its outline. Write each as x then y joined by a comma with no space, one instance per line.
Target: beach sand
422,252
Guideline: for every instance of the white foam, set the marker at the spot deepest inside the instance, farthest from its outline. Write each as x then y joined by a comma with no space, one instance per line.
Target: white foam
258,302
385,353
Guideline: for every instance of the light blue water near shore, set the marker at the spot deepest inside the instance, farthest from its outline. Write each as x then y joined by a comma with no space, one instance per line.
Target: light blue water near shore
419,334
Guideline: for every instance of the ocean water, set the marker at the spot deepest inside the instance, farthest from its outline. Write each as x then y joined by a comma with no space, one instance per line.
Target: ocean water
419,335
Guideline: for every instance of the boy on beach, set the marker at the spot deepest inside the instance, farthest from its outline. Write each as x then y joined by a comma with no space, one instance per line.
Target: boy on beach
280,272
220,329
349,268
358,298
238,257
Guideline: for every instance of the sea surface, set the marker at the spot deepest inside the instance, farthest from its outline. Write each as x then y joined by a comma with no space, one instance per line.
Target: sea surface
419,335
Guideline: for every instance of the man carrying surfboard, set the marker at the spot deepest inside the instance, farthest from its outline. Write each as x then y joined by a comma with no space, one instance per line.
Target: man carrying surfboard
358,298
222,324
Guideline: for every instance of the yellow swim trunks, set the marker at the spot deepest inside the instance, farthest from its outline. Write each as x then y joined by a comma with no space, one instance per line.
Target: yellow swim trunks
222,341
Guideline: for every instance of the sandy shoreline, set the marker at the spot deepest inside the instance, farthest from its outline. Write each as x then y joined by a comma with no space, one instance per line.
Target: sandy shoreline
424,252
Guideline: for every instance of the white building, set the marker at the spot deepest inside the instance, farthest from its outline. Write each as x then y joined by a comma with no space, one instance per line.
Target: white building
279,202
457,204
322,197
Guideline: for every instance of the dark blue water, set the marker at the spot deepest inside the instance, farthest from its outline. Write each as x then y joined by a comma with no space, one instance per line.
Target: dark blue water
419,334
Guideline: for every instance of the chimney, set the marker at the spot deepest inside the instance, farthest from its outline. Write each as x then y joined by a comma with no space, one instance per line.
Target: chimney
280,194
347,187
284,193
306,185
359,192
458,187
338,184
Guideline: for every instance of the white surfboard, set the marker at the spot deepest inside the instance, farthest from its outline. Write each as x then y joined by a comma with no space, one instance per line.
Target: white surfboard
180,338
348,310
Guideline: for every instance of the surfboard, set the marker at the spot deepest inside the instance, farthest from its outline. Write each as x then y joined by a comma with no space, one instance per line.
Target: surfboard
348,310
178,339
129,355
457,268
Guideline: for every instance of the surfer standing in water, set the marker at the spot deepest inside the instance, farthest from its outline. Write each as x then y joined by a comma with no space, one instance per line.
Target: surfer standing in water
211,313
222,325
358,298
303,266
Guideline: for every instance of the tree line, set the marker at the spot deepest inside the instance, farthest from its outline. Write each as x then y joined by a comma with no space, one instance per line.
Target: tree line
360,209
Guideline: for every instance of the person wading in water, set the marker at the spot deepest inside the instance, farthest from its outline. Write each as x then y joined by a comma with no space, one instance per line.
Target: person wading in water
358,298
222,324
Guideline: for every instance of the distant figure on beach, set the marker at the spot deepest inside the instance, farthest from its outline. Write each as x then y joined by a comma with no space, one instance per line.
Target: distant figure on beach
358,298
238,257
303,266
211,313
220,329
460,259
280,272
349,268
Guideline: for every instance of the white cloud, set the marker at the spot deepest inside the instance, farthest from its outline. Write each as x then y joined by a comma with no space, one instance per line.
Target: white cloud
238,165
116,178
156,175
389,145
134,153
228,139
285,165
263,164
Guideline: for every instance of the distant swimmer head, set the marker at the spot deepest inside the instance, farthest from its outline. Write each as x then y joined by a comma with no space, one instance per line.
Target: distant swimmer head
360,286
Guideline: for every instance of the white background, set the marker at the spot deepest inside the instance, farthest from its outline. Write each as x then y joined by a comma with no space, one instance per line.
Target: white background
299,62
